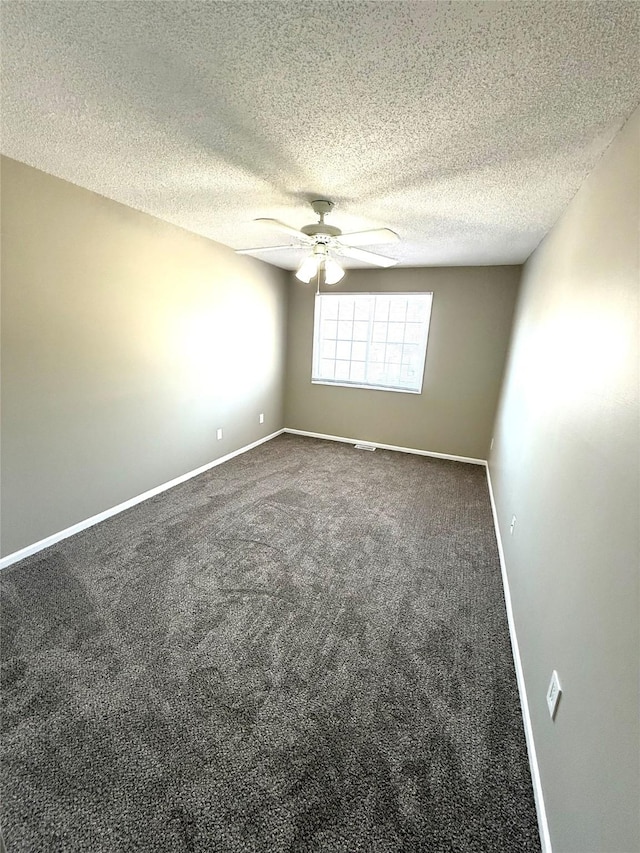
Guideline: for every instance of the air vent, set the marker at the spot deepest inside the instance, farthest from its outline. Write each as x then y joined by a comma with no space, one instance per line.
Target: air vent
364,446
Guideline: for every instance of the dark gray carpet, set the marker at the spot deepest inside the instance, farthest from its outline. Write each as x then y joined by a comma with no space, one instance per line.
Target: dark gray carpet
304,649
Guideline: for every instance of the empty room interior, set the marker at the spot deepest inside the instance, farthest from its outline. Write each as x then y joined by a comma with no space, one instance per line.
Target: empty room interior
320,449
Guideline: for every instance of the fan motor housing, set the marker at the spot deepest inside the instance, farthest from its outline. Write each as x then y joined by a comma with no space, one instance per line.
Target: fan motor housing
321,228
321,206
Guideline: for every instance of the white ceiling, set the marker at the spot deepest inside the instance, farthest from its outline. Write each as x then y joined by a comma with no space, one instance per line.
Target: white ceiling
466,127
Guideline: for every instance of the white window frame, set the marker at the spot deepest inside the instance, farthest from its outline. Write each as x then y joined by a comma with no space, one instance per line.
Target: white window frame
317,376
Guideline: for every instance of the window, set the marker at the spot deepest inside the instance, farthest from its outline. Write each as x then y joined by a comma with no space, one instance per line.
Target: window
371,340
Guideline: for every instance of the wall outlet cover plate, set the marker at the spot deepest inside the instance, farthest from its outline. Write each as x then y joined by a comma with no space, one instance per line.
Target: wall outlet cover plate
553,694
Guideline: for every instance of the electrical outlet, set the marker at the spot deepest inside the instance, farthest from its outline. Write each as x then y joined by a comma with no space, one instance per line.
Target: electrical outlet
261,418
553,694
513,524
219,434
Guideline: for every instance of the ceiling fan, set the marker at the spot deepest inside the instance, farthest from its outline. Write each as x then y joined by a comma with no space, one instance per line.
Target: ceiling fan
324,242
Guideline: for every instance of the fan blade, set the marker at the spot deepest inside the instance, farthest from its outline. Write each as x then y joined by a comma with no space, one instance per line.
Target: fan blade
369,238
267,249
368,257
288,229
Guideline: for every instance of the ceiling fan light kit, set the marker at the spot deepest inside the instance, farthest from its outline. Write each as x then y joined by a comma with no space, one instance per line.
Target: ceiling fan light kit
333,272
320,263
307,269
323,240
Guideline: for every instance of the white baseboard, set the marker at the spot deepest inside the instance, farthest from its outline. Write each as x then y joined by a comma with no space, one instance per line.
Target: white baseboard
543,825
114,510
386,446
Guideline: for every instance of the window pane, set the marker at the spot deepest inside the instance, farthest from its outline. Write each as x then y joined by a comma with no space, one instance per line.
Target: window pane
412,333
410,353
375,374
345,309
398,310
381,311
380,331
345,329
343,349
358,351
328,349
357,371
396,332
342,369
360,331
326,368
394,353
362,308
415,310
330,309
391,374
376,352
329,329
407,372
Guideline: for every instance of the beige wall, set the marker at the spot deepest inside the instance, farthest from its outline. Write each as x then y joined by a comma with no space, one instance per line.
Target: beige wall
126,342
565,462
468,341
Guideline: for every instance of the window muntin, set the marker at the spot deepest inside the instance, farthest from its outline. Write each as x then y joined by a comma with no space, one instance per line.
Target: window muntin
371,340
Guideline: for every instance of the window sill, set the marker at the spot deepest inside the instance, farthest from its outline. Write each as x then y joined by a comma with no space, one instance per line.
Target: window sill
344,384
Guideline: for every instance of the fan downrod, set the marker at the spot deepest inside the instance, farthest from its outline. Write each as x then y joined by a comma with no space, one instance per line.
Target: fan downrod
321,207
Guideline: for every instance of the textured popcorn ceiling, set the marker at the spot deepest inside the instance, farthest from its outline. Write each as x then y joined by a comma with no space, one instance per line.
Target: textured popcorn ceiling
465,127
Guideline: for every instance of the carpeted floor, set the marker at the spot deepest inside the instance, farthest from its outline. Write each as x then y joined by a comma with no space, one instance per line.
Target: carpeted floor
304,649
